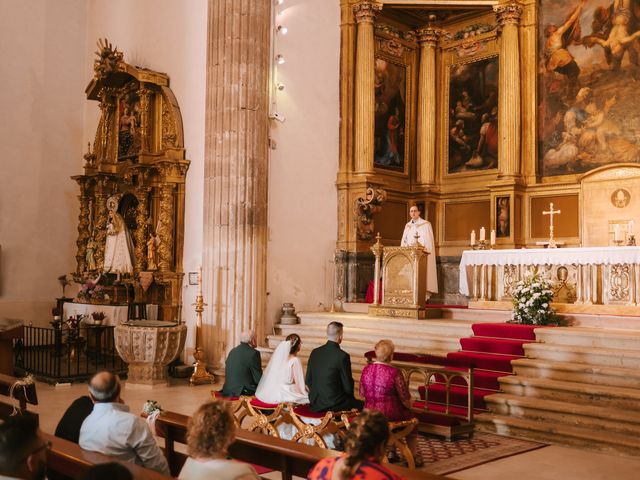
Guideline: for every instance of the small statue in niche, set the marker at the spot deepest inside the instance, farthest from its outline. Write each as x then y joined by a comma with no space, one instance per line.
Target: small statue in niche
152,258
118,246
90,255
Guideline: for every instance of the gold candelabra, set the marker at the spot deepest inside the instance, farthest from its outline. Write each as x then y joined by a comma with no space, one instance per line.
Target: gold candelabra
200,374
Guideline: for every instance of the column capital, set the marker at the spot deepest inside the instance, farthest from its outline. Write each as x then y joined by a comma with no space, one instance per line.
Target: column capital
429,35
508,13
365,11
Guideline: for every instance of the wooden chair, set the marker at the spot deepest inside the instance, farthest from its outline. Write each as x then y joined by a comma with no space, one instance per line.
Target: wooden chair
399,431
238,407
331,423
267,416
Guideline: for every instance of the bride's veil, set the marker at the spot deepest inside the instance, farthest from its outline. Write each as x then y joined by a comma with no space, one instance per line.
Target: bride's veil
275,375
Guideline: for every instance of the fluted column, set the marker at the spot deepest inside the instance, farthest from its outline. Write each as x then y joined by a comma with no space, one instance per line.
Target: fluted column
364,118
235,171
508,17
426,121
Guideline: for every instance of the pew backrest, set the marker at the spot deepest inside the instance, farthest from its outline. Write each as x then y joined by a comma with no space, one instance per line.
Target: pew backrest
16,396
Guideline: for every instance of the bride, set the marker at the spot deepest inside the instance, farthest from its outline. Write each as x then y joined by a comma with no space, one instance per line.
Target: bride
283,379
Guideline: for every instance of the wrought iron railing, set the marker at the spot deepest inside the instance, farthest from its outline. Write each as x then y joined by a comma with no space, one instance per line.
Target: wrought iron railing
60,354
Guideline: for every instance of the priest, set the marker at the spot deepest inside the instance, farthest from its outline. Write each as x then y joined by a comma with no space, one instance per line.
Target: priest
425,238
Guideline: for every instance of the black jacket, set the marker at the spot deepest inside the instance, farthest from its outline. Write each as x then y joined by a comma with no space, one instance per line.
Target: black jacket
329,379
242,371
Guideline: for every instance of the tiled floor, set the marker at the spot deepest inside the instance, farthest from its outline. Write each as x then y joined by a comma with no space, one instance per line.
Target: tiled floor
548,463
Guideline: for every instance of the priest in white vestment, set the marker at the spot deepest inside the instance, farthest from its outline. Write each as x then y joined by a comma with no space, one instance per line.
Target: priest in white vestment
118,248
425,238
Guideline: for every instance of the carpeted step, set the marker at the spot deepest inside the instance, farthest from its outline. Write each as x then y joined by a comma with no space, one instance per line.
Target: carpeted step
504,346
486,361
457,395
505,330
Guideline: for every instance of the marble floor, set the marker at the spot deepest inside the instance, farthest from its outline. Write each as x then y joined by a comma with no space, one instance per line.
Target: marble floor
549,463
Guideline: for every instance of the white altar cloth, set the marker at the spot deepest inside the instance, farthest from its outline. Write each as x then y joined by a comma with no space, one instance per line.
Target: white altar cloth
546,256
114,314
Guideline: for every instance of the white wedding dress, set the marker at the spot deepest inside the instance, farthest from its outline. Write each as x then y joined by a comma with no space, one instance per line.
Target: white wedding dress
283,379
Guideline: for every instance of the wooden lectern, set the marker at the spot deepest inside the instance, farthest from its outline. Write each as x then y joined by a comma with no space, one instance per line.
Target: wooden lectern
7,335
404,281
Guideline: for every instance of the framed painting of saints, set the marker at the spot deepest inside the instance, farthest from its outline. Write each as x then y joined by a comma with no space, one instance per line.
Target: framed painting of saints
589,109
473,115
390,114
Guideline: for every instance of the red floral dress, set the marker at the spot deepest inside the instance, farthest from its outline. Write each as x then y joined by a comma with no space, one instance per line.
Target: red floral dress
384,389
367,470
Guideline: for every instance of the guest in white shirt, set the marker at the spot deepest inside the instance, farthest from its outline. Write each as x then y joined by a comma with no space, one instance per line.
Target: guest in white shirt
210,431
112,430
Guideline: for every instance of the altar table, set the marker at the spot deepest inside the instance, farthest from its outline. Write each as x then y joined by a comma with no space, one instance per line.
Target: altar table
114,314
607,275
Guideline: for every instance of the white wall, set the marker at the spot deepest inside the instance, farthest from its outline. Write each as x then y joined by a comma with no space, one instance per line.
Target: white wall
42,49
302,193
168,36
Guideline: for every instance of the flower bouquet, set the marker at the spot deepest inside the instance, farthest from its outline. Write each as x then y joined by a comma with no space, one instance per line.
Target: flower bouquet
532,302
98,317
93,293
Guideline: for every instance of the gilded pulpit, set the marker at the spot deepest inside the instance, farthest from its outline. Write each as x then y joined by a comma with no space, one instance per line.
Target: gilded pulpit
131,221
404,281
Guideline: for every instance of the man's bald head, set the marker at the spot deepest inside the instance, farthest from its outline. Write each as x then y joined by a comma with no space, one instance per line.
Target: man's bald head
104,387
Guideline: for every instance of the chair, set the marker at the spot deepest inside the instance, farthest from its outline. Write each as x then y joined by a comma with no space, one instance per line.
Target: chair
331,423
238,407
267,415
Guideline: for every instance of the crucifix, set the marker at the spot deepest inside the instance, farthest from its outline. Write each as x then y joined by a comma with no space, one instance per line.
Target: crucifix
551,212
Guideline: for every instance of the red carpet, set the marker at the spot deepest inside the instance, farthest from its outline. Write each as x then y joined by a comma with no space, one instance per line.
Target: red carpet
490,350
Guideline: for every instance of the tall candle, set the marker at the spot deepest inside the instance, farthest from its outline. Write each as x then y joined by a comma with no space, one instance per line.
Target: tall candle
616,232
482,234
493,237
630,227
200,280
473,237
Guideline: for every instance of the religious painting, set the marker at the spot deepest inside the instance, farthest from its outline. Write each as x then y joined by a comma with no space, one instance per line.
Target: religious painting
503,217
390,114
588,100
473,115
620,198
128,124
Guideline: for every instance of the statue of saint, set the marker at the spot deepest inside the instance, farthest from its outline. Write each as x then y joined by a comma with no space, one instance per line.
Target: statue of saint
118,247
152,263
425,238
90,255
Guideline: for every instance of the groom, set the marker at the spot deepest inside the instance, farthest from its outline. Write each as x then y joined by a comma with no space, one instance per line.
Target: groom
329,375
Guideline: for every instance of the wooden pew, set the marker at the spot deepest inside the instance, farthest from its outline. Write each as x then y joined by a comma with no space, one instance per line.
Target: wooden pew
68,459
24,396
288,457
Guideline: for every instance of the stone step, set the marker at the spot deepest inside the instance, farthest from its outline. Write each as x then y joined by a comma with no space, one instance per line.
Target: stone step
559,433
581,393
588,355
476,315
590,337
577,372
577,415
405,340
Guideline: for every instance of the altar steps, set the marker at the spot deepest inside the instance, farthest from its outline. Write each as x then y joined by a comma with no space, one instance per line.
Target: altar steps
580,387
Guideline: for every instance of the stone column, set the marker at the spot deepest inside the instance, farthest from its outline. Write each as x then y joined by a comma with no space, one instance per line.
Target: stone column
364,115
235,173
508,17
426,121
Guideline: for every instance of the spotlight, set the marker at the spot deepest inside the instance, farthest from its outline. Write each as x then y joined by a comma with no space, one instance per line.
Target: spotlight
282,29
279,2
280,59
278,117
280,86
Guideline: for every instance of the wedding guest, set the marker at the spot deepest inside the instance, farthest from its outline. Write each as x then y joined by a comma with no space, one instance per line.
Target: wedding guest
243,369
384,389
23,450
210,431
364,446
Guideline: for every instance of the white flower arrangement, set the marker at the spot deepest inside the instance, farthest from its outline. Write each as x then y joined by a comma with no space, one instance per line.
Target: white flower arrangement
151,406
531,302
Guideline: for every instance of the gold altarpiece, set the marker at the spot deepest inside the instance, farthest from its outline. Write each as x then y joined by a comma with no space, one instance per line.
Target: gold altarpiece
137,167
430,44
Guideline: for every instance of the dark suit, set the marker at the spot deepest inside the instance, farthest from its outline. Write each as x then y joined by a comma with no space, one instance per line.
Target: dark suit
70,423
329,379
242,371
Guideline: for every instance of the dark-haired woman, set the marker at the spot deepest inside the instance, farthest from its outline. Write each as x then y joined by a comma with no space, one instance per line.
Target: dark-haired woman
283,379
364,446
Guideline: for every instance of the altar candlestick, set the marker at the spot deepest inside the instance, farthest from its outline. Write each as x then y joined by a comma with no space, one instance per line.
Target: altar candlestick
200,280
630,227
493,237
482,234
473,237
616,232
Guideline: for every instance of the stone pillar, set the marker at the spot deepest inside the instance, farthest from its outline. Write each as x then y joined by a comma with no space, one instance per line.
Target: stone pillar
235,173
508,17
426,121
364,115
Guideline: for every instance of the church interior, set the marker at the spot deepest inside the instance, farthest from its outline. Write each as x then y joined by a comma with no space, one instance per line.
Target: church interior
456,176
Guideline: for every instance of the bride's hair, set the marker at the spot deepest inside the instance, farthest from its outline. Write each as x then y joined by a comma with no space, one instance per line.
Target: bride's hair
294,338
